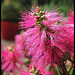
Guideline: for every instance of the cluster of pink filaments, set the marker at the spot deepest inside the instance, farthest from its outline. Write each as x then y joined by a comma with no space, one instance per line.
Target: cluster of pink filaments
47,39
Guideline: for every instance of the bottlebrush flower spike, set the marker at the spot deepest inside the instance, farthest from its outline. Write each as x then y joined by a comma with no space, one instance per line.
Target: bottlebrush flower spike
71,17
34,71
10,59
47,41
71,31
19,43
25,73
68,28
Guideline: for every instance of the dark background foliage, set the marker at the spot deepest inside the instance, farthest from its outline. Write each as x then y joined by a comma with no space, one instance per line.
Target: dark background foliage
63,5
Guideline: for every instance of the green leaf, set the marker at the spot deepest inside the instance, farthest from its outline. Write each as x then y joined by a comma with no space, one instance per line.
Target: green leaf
57,70
71,71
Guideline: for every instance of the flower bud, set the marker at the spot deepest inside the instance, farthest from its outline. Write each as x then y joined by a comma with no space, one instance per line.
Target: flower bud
11,48
37,17
42,12
37,9
35,14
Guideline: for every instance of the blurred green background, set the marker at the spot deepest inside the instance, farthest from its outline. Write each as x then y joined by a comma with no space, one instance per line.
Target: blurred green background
63,5
19,5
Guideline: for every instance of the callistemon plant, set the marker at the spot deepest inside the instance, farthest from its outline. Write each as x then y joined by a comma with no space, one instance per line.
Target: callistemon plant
49,42
48,39
10,59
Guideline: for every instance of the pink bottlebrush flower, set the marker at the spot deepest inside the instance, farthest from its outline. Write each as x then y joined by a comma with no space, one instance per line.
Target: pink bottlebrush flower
28,19
71,17
70,30
25,73
49,73
19,42
35,71
67,35
10,59
42,70
29,39
28,73
47,41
